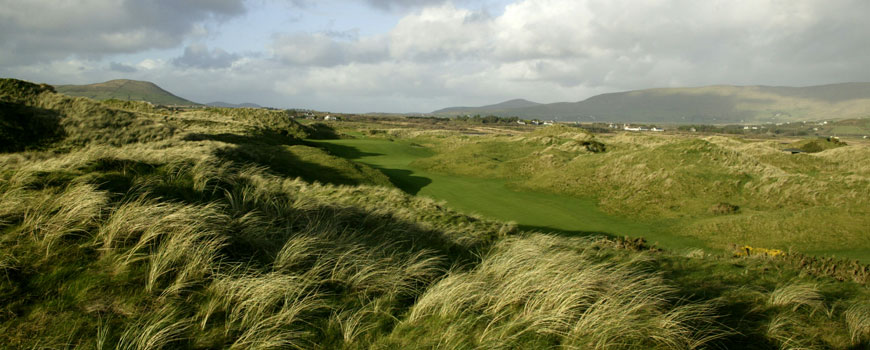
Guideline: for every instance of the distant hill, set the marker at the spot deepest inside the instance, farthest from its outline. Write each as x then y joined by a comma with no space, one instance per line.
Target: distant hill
710,104
233,105
123,89
506,105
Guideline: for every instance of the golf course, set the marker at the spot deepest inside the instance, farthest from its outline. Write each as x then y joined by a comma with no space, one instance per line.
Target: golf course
132,226
495,199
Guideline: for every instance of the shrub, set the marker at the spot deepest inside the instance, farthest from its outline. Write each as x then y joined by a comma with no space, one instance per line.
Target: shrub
594,146
723,208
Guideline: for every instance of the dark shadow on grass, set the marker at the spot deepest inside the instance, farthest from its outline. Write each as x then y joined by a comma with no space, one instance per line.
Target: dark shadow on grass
321,131
24,127
405,180
401,178
266,148
347,152
566,233
258,137
280,161
116,175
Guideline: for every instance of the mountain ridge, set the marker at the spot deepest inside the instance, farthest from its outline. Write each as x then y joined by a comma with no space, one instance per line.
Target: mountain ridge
705,104
125,89
509,104
233,105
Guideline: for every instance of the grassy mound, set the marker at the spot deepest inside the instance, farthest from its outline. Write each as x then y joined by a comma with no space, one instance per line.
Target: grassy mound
785,201
231,232
818,145
124,89
81,121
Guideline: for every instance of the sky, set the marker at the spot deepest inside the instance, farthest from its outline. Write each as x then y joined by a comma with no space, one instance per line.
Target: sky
422,55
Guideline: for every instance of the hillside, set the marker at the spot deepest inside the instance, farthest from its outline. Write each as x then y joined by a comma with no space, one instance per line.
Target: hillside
676,182
135,227
123,89
489,109
233,105
710,104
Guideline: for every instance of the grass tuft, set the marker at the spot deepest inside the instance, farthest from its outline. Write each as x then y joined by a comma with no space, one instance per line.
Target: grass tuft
858,320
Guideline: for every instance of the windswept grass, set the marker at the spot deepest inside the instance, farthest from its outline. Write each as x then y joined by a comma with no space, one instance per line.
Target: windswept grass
858,320
547,291
127,241
796,296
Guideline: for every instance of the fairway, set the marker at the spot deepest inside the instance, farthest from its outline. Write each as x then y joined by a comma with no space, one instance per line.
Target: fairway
493,198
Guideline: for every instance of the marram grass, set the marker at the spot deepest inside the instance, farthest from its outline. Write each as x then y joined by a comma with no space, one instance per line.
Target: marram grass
150,238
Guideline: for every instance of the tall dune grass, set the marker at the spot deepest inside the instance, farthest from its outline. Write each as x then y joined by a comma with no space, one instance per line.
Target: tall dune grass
147,239
548,289
858,320
52,217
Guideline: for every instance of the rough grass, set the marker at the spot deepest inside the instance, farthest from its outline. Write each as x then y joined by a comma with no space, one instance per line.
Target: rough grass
812,203
167,243
527,294
229,241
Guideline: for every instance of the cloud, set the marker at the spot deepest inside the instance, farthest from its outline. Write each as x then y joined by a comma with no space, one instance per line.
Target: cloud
442,53
402,4
630,44
199,56
45,30
567,50
328,49
444,32
120,67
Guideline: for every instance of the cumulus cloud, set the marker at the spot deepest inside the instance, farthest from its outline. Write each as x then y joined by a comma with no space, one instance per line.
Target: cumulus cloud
442,53
199,56
44,30
614,43
328,49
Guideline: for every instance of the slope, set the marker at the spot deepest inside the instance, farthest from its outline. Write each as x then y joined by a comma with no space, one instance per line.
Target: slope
489,109
124,89
233,105
808,203
710,104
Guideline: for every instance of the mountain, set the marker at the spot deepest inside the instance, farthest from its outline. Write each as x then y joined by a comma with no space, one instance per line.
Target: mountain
124,89
233,105
709,104
489,109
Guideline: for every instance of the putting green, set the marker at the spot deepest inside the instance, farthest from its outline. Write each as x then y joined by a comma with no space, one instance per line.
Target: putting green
494,199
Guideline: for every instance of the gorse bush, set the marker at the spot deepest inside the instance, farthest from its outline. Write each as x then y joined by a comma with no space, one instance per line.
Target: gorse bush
724,208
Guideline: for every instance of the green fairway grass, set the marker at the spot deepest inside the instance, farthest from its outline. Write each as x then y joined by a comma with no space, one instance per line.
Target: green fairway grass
493,198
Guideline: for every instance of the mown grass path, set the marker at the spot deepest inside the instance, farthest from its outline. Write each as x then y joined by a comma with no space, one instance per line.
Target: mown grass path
494,199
